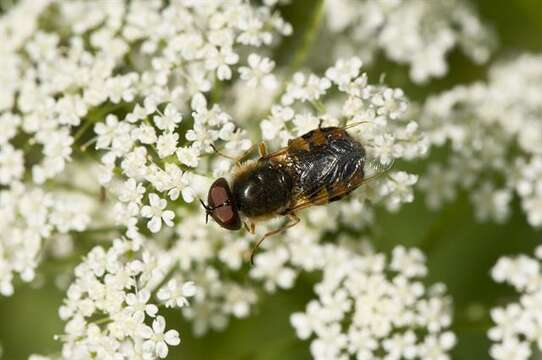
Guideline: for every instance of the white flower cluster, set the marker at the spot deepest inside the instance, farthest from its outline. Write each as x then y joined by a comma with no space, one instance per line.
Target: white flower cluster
152,164
214,260
130,88
517,327
110,309
370,308
419,33
389,298
210,256
29,216
128,69
494,130
377,115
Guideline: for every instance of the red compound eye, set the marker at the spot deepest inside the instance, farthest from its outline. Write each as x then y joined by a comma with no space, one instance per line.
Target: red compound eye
221,206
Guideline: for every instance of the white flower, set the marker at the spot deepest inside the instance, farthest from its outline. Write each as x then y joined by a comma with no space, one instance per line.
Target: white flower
491,203
220,60
411,262
259,72
169,120
11,164
157,341
398,189
145,134
511,349
401,346
503,107
415,33
175,293
305,88
270,266
362,308
533,207
131,191
167,144
188,156
344,71
180,182
137,305
517,324
155,211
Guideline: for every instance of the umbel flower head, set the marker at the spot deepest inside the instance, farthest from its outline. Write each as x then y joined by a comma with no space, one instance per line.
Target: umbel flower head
417,33
109,307
110,114
494,131
367,307
517,330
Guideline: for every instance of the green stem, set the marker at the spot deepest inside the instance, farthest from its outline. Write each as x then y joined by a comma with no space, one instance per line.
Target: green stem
166,278
306,42
308,38
103,320
82,130
318,106
153,147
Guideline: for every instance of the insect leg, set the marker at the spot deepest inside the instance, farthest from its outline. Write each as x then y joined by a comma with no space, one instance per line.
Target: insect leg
222,154
262,150
294,220
250,227
354,124
320,123
238,159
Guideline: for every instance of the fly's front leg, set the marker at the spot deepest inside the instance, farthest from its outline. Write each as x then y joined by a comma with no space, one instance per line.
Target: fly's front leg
239,159
294,220
250,227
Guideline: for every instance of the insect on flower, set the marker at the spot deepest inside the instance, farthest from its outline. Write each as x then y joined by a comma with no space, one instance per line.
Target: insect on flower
319,167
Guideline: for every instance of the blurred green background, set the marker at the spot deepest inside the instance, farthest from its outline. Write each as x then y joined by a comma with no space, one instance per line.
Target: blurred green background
460,251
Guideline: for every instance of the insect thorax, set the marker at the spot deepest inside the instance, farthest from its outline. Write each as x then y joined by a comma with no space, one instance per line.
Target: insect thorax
262,190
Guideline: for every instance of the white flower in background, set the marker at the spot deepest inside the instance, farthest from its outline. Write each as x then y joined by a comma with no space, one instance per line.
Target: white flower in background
175,293
517,329
271,267
398,189
492,129
366,307
416,32
133,92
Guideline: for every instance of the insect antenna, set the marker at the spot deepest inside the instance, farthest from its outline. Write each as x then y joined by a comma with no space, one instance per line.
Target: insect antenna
354,124
208,210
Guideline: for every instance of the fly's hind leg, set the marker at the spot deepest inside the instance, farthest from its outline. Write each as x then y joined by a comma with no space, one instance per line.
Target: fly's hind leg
294,220
261,149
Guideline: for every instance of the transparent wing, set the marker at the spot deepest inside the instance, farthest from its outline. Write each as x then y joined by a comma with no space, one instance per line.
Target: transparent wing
374,170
